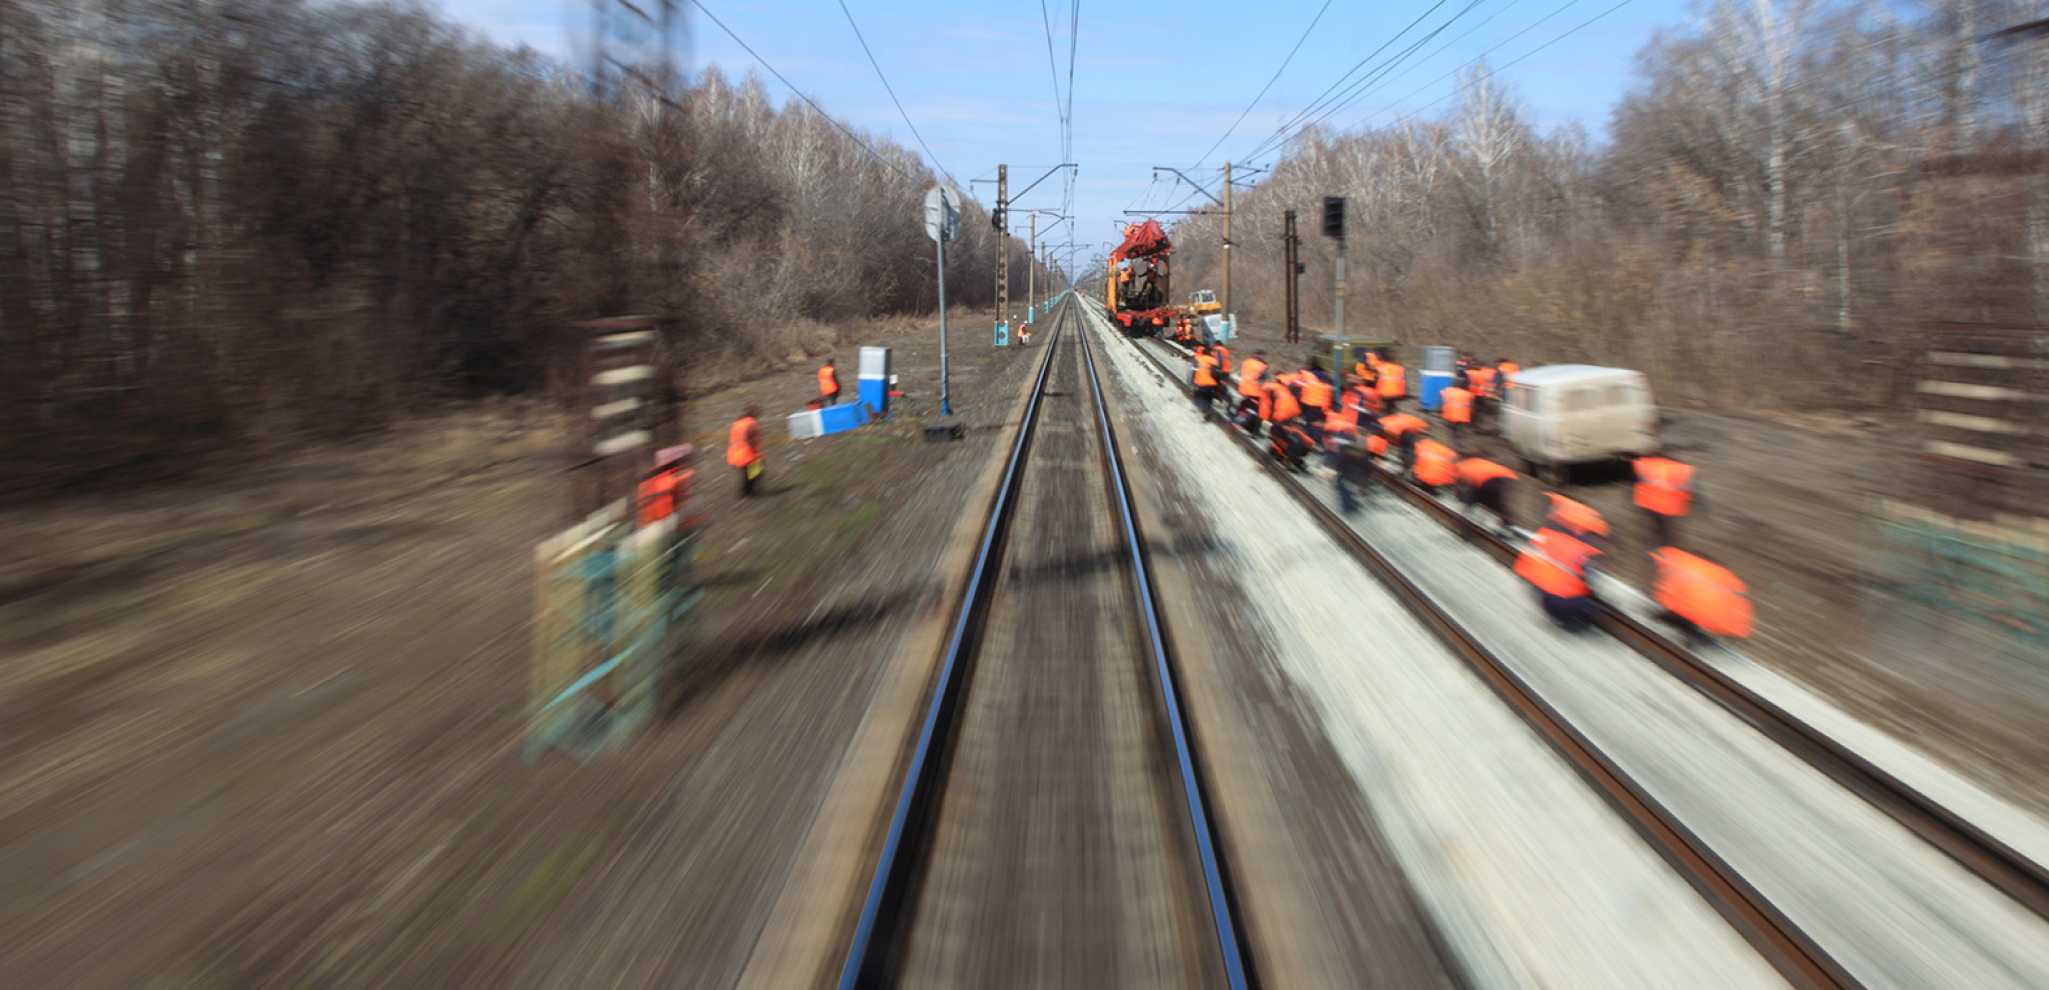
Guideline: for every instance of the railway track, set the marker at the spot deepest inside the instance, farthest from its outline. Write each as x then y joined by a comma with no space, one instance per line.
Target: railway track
1052,827
1783,943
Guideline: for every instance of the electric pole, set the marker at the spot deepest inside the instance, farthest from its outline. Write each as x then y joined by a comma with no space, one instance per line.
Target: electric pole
1290,251
1225,299
1032,270
1002,220
1334,228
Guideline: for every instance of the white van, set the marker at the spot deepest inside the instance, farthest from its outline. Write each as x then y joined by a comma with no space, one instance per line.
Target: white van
1563,414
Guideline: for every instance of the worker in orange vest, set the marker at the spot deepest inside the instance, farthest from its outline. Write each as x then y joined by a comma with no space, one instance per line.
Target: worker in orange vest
1393,384
1483,483
1402,431
1435,465
1557,564
1317,395
665,487
1577,518
1277,404
1223,357
743,449
1700,596
1250,387
828,384
1204,377
1505,370
1486,398
1664,491
1458,411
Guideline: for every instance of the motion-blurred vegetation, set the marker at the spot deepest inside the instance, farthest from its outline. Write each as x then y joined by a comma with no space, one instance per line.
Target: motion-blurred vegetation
262,220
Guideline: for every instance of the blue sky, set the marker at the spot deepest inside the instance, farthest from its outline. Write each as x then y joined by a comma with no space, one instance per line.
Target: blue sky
1156,84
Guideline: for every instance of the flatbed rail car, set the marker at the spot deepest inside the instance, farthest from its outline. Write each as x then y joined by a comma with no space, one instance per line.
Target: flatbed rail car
1138,284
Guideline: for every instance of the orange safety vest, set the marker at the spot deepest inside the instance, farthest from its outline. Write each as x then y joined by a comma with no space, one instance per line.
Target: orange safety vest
1205,368
1482,380
740,450
1376,445
828,382
658,496
1361,372
1556,564
1402,424
1476,471
1458,405
1508,370
1341,418
1393,380
1316,393
1277,404
1663,486
1577,517
1434,463
1701,592
1248,377
1223,358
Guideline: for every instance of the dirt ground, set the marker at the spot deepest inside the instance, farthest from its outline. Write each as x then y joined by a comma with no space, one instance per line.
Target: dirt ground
1791,503
267,732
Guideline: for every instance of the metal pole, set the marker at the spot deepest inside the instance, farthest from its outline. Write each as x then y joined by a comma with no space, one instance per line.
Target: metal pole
945,398
1226,299
1002,241
1032,271
1337,305
1288,263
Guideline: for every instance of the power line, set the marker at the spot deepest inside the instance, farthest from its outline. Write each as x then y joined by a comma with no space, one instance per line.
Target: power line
891,90
699,4
1343,79
1352,91
1509,65
1497,46
1058,107
1262,90
1467,33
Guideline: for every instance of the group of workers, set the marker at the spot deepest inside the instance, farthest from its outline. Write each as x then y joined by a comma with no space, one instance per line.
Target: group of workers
1358,420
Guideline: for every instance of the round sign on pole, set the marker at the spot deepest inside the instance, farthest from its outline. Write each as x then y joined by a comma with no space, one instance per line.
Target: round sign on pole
942,213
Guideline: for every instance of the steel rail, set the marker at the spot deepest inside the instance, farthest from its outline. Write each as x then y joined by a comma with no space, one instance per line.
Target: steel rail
1194,775
878,940
875,948
2007,869
1788,949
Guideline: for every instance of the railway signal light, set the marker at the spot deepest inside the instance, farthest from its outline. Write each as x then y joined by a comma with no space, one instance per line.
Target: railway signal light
1334,217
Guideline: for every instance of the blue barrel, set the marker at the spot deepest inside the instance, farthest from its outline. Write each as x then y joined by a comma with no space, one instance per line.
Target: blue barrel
1431,395
1003,335
875,380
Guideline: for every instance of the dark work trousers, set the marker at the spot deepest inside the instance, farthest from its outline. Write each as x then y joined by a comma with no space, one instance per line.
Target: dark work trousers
1492,496
1664,528
1205,399
1573,614
746,483
1354,467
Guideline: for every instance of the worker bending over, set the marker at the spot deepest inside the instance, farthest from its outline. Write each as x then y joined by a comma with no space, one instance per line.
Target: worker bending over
1578,518
1483,483
1557,564
1700,596
743,449
1435,465
1402,431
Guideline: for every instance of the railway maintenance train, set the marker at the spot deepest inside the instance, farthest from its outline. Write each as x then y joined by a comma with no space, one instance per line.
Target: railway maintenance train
1137,284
